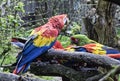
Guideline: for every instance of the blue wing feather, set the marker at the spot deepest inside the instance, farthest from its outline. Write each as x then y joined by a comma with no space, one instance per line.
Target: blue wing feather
110,50
29,41
34,53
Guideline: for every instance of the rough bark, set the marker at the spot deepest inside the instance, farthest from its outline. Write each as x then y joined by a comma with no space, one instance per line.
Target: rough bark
114,1
58,70
13,77
69,73
91,33
103,28
104,25
89,58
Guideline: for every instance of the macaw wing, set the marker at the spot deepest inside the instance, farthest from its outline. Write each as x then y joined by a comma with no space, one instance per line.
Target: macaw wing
110,50
29,41
27,45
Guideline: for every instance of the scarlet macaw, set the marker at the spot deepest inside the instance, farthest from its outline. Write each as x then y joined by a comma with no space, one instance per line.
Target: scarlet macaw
41,40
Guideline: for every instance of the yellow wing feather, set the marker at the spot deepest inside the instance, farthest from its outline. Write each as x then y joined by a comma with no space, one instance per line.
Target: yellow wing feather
42,41
98,49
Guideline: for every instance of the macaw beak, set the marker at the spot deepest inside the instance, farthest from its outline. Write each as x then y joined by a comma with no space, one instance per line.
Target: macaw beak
66,21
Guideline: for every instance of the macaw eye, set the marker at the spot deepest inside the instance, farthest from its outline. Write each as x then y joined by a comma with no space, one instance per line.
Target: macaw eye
72,38
76,40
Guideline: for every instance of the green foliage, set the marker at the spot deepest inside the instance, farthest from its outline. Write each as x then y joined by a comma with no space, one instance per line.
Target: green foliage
9,23
76,28
64,40
19,7
118,31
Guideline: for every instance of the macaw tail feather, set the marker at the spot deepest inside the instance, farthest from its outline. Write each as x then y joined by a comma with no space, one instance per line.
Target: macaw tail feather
18,70
21,69
114,55
15,71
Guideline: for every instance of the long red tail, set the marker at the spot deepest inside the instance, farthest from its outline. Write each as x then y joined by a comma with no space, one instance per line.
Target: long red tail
114,55
15,71
18,70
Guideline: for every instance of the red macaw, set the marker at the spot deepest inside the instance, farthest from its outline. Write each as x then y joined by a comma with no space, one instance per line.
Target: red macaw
41,40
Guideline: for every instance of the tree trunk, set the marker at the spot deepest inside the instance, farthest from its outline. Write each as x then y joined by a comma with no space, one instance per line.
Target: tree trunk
114,1
104,25
91,33
103,28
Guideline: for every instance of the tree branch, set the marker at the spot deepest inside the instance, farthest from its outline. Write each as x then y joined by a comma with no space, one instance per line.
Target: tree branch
111,72
60,70
13,77
89,58
70,73
96,77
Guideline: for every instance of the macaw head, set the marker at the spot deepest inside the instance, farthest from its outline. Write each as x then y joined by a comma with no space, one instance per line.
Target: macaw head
80,39
59,21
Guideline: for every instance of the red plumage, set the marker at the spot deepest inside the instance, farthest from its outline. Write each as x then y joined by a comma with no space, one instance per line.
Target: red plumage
58,45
